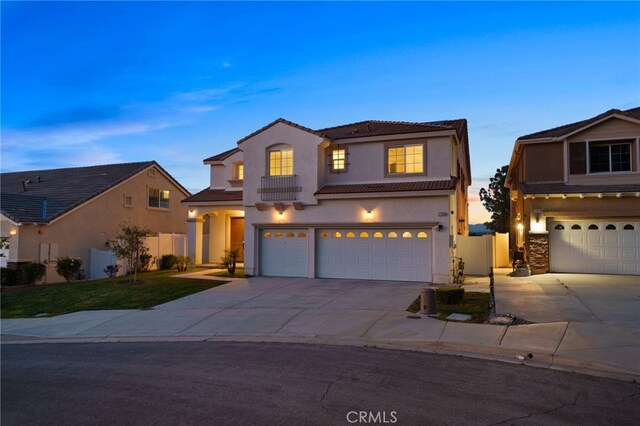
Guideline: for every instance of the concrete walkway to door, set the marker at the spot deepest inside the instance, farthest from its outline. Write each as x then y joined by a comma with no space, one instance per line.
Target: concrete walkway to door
330,311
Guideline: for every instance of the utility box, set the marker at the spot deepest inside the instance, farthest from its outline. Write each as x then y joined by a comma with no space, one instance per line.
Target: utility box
428,301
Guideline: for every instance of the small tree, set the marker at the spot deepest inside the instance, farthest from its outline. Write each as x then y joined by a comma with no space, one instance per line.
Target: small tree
130,246
229,260
496,200
67,267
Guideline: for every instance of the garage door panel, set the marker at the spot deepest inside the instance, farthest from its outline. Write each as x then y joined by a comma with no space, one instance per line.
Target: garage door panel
612,248
375,254
284,253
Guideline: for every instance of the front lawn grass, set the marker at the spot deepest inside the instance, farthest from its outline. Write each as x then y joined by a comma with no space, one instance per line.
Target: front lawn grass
474,304
238,274
153,288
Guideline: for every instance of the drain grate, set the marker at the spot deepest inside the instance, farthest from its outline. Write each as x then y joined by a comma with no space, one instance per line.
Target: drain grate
413,317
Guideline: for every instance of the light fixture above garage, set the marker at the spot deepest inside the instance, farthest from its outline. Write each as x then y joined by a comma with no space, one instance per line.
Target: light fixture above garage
368,215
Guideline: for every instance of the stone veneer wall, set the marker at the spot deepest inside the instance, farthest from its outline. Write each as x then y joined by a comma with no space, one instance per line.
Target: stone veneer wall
538,253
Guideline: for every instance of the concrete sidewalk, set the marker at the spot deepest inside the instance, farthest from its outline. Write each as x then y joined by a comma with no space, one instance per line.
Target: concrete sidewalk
340,312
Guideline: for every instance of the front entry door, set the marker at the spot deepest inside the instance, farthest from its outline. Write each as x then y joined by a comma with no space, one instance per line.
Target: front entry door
237,236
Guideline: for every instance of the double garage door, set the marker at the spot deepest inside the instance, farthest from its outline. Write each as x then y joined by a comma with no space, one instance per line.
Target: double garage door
595,246
377,254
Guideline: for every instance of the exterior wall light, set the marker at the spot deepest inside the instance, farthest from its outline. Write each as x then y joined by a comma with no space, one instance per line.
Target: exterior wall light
192,213
520,227
13,232
368,215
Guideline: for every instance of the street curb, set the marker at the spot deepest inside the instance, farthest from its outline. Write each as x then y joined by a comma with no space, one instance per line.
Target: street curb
539,360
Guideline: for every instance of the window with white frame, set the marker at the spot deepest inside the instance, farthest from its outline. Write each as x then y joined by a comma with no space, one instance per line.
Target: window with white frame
281,162
609,157
158,198
238,171
338,160
405,159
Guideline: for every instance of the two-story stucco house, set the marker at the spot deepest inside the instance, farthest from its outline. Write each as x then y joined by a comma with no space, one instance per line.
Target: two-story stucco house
375,200
575,192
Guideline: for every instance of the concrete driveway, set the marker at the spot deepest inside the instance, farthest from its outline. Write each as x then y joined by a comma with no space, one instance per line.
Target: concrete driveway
605,299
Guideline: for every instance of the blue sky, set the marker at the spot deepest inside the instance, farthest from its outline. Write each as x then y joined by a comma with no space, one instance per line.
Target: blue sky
95,82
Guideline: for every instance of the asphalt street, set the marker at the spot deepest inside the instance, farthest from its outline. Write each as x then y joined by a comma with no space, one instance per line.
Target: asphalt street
261,383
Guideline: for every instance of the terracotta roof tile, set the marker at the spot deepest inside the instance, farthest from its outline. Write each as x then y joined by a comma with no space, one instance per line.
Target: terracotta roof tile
561,188
568,128
211,195
430,185
379,128
222,155
273,123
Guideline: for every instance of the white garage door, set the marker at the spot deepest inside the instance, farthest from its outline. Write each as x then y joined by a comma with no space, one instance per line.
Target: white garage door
595,246
377,254
284,253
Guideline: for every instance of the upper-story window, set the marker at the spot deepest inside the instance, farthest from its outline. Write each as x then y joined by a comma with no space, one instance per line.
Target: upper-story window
281,162
338,160
405,159
238,170
609,157
158,198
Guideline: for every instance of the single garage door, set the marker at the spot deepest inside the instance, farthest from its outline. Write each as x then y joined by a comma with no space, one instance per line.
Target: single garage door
284,253
376,254
595,246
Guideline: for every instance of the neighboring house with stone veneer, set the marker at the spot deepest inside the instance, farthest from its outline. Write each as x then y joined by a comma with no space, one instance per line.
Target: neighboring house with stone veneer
575,192
373,200
51,213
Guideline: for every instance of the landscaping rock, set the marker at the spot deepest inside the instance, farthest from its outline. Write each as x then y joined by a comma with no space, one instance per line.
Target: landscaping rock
458,317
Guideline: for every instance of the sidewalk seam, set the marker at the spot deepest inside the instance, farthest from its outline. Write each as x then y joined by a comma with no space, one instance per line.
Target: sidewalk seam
564,333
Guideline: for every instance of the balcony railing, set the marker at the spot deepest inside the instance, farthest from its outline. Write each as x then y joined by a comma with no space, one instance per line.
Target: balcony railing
278,188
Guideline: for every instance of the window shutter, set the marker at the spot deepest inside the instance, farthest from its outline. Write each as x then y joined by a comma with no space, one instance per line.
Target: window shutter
578,158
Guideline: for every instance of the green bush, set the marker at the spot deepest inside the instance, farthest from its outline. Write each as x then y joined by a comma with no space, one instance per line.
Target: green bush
8,277
67,267
229,260
145,261
33,271
183,262
450,295
168,261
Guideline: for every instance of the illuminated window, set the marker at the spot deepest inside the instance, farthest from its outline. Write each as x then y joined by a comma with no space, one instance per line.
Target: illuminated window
405,159
281,162
302,235
337,235
278,234
611,227
238,173
338,160
628,227
422,235
158,198
364,235
593,227
407,235
377,235
559,227
267,234
392,235
351,235
576,227
290,235
323,235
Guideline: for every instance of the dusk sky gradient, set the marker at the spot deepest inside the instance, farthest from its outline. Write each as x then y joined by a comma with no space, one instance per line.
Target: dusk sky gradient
96,82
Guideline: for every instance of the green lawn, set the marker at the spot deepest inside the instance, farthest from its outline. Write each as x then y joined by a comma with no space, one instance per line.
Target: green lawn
153,289
474,304
238,274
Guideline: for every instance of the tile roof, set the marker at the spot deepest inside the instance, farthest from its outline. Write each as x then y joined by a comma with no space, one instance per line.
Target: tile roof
222,155
568,128
379,128
63,189
561,188
209,195
429,185
273,123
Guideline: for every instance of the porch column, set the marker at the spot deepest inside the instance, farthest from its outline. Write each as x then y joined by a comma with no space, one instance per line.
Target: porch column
194,235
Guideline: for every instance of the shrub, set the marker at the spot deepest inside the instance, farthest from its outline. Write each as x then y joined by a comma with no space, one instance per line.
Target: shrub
182,262
168,261
145,261
8,277
67,267
33,271
229,260
450,295
111,270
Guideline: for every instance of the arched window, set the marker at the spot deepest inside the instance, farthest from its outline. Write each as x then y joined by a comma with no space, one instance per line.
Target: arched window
337,234
364,235
323,235
278,234
392,235
407,235
576,226
422,234
290,235
377,235
351,235
559,227
267,234
611,227
593,227
280,160
304,235
628,227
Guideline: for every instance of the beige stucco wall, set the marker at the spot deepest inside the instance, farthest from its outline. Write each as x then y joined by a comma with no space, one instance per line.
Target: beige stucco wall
222,173
99,220
544,162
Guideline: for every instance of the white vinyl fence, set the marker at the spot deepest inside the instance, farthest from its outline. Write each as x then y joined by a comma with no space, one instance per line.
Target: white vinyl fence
482,252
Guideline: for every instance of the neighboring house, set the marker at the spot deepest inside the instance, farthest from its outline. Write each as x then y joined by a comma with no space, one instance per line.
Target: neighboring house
67,212
575,193
374,200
